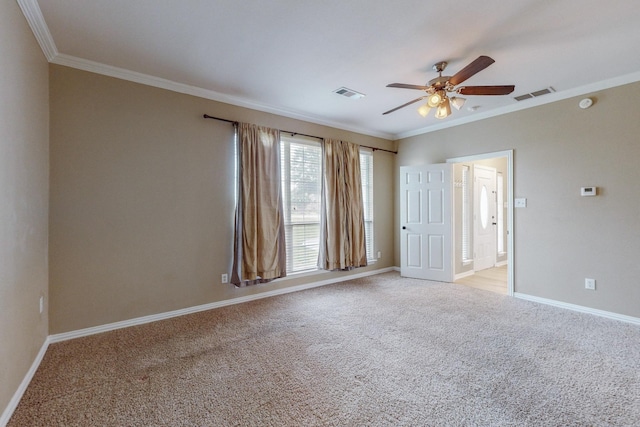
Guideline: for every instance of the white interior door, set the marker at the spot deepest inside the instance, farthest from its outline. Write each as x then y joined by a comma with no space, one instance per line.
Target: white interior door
425,210
484,212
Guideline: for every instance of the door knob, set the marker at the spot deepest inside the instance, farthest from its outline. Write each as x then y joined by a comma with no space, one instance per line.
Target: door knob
404,228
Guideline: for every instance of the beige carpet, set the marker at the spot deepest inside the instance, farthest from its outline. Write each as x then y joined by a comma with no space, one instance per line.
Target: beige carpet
378,351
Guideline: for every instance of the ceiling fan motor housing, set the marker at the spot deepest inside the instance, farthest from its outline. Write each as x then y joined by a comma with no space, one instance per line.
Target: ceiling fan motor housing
440,83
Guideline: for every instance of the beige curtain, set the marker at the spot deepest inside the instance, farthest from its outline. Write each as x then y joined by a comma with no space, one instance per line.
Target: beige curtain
259,250
342,236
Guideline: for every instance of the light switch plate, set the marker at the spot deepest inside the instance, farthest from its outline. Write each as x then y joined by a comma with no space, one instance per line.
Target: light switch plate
520,203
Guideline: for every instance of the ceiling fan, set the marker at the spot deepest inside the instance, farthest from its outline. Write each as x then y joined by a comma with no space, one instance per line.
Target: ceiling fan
437,89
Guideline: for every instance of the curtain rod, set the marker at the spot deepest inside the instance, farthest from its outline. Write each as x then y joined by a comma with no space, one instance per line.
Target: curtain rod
206,116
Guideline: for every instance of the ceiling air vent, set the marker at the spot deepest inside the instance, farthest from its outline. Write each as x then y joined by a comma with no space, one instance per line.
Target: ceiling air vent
523,97
534,94
349,93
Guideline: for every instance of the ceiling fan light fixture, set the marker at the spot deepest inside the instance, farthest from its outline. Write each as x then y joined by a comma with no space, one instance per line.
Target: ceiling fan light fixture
457,102
444,109
435,99
424,110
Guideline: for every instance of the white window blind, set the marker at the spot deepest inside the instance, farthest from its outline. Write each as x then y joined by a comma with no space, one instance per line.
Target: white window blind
301,164
366,171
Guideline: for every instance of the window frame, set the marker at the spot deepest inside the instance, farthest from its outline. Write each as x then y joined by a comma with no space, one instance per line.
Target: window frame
367,200
366,172
295,261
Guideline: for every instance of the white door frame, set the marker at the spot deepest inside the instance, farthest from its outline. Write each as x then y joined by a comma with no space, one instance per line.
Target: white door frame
509,193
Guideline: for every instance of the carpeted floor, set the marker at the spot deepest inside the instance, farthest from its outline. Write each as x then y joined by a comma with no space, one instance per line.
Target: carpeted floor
378,351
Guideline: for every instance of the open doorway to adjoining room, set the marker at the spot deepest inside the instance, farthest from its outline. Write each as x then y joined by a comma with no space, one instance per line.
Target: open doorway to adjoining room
483,221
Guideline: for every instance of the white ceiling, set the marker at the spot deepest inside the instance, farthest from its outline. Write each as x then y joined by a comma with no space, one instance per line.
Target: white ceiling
288,56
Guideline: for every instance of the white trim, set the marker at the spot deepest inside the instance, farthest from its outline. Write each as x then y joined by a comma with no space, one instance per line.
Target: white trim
34,17
579,308
33,14
502,263
170,314
17,396
149,80
529,103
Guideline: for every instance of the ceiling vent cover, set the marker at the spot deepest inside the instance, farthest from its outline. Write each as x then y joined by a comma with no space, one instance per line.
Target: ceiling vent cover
349,93
540,92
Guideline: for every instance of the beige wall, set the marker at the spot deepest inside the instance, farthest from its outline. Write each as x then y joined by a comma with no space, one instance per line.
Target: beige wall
142,199
561,238
24,124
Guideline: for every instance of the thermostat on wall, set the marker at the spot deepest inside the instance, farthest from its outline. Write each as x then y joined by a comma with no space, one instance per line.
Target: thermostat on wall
588,191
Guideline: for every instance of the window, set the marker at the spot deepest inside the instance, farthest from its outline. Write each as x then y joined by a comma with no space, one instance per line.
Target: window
301,165
366,170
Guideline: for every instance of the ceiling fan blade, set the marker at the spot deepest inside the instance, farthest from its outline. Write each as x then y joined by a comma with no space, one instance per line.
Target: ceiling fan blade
486,90
404,105
406,86
479,64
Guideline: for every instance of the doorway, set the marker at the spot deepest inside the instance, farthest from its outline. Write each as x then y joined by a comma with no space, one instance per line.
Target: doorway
483,221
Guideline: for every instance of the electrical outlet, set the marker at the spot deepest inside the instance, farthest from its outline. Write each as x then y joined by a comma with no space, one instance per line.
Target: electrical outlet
224,278
590,284
379,254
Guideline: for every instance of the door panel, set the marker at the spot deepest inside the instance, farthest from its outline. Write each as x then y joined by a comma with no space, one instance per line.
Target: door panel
436,207
425,198
414,252
436,252
414,204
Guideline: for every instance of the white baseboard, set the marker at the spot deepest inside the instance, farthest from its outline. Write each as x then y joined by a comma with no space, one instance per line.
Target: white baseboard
502,263
15,400
167,315
580,308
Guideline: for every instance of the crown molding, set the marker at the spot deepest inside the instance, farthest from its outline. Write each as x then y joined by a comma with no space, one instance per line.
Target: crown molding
149,80
33,14
529,103
34,17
